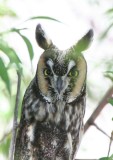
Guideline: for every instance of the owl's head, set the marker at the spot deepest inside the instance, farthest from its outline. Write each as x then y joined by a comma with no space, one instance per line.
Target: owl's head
61,75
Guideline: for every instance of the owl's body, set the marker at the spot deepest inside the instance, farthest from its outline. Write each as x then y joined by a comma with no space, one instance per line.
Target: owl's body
51,124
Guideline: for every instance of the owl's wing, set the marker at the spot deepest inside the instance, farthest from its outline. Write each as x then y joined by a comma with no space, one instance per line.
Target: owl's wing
21,148
22,138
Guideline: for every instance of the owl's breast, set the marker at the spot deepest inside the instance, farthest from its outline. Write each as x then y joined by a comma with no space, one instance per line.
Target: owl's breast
66,116
49,141
55,126
61,114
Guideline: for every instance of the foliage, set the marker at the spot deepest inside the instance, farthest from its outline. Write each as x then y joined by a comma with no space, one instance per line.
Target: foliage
109,14
4,75
107,158
111,101
6,11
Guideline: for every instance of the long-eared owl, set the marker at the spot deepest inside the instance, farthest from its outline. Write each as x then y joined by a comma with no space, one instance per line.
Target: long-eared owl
53,107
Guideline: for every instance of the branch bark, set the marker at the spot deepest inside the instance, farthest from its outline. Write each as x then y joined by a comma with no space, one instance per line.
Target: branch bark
15,124
97,127
111,140
99,108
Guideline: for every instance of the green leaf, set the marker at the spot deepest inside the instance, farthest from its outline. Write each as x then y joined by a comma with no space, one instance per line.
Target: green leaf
105,158
109,11
10,52
111,156
29,46
17,30
4,75
110,100
27,42
43,17
109,72
11,30
6,11
4,147
104,34
109,77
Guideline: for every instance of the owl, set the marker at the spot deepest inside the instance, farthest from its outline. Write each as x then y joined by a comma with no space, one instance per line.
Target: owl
53,107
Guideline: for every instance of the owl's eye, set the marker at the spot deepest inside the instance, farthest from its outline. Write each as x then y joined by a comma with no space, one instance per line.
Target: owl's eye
73,73
47,72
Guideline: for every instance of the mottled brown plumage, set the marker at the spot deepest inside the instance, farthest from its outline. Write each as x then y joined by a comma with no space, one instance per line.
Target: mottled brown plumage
53,107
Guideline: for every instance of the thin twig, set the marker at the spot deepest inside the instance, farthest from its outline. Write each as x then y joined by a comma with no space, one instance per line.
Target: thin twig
5,136
94,124
14,130
111,140
99,108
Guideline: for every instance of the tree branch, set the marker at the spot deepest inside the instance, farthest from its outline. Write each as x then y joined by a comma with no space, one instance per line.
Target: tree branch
97,127
111,140
14,130
99,108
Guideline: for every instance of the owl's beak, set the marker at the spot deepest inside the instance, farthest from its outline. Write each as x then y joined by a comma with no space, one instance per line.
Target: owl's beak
59,84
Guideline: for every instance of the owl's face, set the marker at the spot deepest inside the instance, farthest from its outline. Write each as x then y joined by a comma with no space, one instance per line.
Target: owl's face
60,75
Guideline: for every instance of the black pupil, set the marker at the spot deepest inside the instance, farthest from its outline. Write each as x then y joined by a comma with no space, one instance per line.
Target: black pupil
48,71
73,71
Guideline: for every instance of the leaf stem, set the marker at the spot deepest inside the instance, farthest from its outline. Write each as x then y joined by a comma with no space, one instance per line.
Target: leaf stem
14,130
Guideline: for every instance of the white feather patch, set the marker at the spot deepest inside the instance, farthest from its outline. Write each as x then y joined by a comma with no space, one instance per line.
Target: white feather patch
30,132
71,65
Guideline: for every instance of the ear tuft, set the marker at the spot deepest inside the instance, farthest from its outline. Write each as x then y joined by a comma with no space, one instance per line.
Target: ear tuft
42,38
89,34
84,42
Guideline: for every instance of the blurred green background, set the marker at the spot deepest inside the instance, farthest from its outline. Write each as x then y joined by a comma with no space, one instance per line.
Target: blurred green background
65,22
